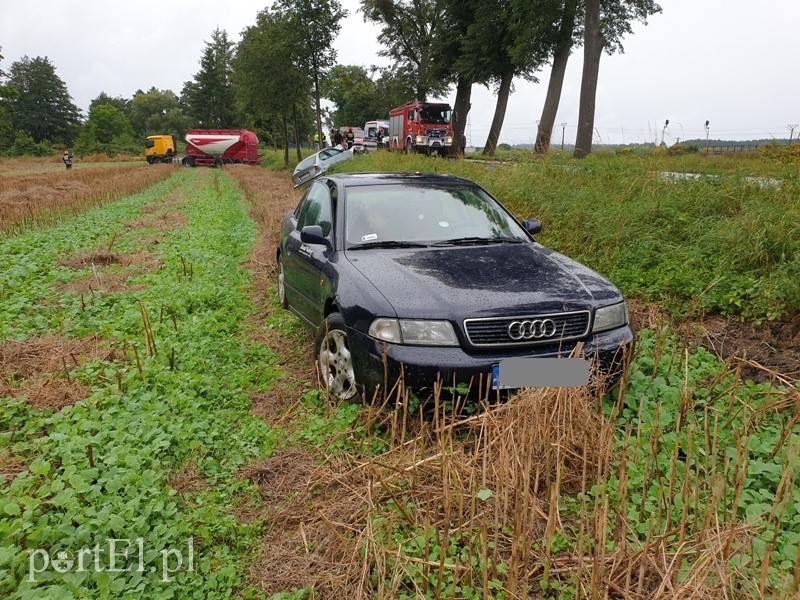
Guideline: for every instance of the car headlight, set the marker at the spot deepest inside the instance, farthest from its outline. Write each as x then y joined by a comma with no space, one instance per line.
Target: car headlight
610,317
421,139
448,140
413,332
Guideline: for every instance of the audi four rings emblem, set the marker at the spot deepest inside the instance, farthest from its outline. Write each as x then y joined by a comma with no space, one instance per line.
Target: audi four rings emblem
532,330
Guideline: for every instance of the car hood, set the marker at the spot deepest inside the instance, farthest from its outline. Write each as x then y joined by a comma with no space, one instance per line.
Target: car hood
474,281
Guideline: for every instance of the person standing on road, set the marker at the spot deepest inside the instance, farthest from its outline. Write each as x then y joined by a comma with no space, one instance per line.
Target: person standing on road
337,138
351,137
67,158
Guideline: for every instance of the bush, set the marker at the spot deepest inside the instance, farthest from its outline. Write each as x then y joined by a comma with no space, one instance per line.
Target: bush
25,146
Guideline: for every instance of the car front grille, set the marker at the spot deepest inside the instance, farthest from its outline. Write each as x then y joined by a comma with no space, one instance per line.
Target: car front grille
560,327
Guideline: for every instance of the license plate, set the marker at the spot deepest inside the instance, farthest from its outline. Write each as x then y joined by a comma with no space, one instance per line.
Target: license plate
514,373
496,378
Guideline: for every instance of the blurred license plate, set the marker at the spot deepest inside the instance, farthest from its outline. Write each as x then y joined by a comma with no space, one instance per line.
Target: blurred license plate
511,373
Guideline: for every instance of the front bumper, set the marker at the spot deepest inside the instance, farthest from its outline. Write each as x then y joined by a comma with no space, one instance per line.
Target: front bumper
381,364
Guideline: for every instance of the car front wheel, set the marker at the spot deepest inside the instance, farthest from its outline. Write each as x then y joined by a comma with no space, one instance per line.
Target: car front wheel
282,285
334,359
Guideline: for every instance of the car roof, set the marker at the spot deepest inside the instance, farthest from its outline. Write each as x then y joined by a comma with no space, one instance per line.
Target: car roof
367,179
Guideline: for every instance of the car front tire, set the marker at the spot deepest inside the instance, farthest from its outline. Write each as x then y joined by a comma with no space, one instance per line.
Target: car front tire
334,359
282,285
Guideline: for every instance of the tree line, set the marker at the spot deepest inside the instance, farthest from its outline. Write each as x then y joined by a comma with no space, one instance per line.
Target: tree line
274,79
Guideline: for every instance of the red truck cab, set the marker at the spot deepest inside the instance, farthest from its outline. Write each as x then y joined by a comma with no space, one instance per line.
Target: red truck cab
421,127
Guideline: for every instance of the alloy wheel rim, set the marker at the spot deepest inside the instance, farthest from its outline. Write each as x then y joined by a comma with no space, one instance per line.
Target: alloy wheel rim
281,284
336,365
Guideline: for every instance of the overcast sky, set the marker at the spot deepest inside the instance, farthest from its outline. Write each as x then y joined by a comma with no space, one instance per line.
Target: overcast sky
732,62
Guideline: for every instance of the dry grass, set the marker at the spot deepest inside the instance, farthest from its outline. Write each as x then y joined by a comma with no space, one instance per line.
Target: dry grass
491,489
44,198
40,369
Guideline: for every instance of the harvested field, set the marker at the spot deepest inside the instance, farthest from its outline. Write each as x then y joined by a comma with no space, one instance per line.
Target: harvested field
40,199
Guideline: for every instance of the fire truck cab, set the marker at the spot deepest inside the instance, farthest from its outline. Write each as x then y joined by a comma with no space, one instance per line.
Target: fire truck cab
421,127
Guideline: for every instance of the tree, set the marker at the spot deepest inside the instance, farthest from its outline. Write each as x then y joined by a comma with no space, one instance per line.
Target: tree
123,104
350,88
42,106
564,17
455,57
109,122
6,96
605,23
592,50
359,98
270,86
503,42
409,33
157,112
209,97
313,25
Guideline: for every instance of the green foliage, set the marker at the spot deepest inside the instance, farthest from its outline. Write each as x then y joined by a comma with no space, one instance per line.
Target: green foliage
24,145
697,423
41,107
464,563
269,83
410,32
209,97
157,112
356,96
118,102
109,122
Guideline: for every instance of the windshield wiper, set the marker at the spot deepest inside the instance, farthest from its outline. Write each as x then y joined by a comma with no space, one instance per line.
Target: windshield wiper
477,241
387,244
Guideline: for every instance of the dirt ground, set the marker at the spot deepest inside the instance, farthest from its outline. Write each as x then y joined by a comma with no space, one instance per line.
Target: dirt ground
769,352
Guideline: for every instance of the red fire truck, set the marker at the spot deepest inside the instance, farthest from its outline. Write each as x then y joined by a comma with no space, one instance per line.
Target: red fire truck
421,127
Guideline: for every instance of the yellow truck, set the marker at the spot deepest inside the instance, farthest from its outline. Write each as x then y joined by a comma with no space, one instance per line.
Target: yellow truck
160,149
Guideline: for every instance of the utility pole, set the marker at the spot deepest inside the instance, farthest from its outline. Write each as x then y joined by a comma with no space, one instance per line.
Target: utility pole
706,136
791,128
563,129
666,124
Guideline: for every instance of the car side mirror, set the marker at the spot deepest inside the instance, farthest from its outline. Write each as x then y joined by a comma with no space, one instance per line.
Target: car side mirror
312,234
532,226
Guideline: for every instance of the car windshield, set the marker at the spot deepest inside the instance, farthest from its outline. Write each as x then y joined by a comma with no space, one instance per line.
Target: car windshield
425,214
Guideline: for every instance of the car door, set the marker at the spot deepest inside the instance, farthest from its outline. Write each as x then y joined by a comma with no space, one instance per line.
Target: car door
304,263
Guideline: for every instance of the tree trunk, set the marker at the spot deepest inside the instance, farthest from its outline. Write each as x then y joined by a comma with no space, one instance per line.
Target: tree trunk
592,51
499,112
554,87
296,134
285,140
317,103
460,113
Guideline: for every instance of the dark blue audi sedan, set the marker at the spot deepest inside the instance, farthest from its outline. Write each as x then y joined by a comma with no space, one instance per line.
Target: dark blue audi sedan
429,278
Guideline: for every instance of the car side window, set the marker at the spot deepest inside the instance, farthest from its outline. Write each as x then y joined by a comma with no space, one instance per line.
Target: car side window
328,152
316,209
